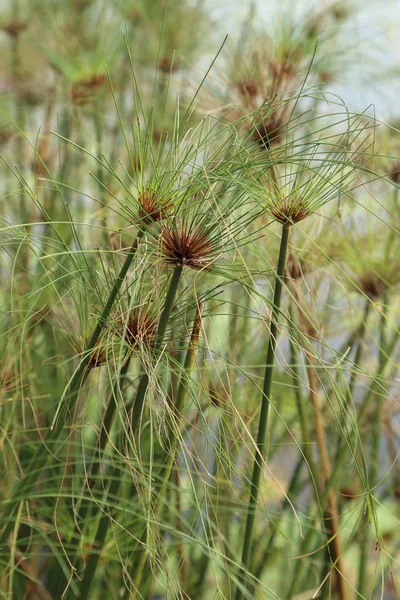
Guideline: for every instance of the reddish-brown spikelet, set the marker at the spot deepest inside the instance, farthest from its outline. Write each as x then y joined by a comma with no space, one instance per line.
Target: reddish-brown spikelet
152,208
289,212
82,90
188,245
14,28
270,130
97,356
372,285
394,173
294,269
166,65
282,70
141,327
248,89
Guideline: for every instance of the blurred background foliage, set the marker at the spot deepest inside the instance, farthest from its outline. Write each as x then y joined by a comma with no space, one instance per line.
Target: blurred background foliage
117,117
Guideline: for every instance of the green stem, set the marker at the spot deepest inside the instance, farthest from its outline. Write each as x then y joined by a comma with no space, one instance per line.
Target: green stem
20,117
99,538
359,351
102,528
162,327
98,125
304,418
67,403
165,471
181,398
341,457
284,505
196,590
305,432
59,577
106,425
374,462
265,406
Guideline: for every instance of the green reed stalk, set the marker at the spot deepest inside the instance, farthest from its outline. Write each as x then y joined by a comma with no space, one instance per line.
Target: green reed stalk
166,469
284,505
355,338
183,391
265,407
38,461
196,590
340,458
105,429
162,327
331,523
20,117
359,352
306,435
372,475
99,538
59,576
306,450
98,126
102,528
303,417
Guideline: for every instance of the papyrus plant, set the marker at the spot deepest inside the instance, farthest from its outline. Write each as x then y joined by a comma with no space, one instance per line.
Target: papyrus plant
289,195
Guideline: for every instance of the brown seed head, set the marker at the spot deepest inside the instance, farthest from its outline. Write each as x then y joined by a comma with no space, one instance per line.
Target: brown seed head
270,131
98,358
394,173
326,77
372,285
282,69
293,268
312,28
167,66
188,245
141,328
152,208
5,135
289,212
14,28
85,88
341,13
248,89
31,96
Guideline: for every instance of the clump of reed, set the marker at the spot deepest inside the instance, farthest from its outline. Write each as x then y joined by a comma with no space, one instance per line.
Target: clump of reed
199,310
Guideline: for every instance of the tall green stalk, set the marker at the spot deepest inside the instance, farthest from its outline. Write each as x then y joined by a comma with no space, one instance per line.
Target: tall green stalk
59,578
102,528
169,460
264,414
162,327
183,391
306,435
268,549
341,456
16,70
373,471
20,117
302,412
67,403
